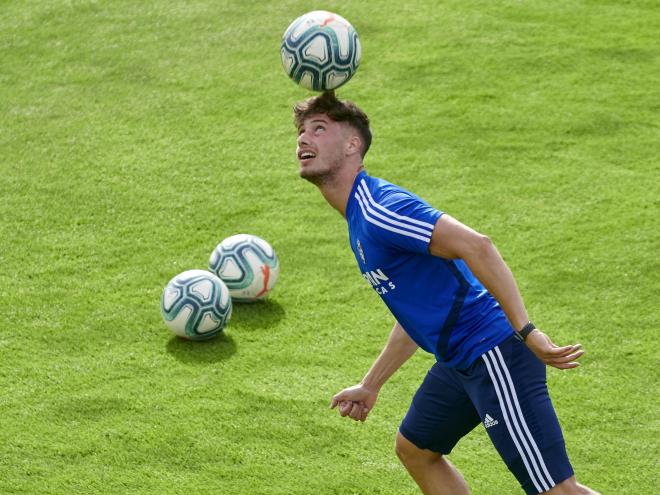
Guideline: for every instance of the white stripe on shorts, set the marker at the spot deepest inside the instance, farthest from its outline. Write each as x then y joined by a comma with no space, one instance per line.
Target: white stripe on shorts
522,418
515,422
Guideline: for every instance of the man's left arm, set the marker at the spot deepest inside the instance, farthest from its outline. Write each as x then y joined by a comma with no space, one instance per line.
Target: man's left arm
451,239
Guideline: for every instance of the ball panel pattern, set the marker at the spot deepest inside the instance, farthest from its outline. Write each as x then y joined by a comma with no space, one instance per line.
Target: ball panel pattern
247,264
196,305
320,51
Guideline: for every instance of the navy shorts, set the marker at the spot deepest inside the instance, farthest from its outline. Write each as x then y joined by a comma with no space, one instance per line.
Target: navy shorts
505,390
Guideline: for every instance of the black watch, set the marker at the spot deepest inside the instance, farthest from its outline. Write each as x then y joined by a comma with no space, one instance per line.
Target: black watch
526,330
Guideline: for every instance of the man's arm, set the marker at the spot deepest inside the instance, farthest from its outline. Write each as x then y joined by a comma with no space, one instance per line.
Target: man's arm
451,239
357,401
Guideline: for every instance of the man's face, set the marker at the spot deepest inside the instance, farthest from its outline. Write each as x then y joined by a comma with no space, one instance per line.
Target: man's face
321,147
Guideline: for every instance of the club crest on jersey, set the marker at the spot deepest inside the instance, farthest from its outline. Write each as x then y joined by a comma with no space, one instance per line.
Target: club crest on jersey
361,251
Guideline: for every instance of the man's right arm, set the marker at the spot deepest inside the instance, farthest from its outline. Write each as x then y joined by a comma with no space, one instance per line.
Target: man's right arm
357,401
451,239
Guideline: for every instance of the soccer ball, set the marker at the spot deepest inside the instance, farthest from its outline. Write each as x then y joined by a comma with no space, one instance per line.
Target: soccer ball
320,51
196,305
247,264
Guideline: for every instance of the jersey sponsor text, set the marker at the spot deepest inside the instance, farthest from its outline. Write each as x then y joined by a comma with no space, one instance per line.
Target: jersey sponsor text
379,281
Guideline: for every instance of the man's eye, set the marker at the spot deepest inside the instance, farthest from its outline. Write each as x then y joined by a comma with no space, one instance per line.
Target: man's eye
320,128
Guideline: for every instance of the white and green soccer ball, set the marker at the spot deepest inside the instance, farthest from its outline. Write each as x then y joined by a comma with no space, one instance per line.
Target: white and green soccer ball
320,51
247,264
196,305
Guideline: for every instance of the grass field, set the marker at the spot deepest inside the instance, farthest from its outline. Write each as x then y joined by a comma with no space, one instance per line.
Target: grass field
134,136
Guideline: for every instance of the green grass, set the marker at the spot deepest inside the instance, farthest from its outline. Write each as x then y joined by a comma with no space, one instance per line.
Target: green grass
134,136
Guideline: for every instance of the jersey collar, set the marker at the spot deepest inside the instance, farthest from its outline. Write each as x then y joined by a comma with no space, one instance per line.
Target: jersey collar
351,197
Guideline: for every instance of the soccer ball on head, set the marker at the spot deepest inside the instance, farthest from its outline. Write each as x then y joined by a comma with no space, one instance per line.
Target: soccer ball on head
247,264
320,51
196,305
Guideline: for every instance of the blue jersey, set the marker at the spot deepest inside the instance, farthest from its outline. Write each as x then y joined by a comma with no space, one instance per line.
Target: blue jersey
438,301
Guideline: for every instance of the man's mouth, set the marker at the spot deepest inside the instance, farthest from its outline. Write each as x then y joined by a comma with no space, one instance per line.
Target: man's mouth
305,155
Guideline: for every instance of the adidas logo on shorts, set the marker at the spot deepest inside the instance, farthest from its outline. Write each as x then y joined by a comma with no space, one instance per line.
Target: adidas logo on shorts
488,421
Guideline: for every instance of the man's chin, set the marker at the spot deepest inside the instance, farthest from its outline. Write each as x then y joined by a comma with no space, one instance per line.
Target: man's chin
308,172
313,176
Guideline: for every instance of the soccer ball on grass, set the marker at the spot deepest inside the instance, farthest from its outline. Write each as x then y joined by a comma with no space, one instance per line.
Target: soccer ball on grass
247,264
196,305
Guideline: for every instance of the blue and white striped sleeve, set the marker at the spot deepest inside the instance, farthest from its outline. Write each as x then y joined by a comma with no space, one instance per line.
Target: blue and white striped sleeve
399,219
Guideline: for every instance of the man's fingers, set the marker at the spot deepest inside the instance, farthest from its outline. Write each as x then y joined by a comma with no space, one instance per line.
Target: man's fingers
562,351
345,407
566,359
571,357
565,366
356,411
365,413
337,400
566,362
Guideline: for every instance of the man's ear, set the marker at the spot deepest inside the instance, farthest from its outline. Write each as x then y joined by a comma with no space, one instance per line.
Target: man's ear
353,145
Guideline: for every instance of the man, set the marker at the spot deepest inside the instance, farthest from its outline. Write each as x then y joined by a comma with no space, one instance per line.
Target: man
452,295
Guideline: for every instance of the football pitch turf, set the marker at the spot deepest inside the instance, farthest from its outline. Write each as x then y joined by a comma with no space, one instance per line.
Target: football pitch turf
134,136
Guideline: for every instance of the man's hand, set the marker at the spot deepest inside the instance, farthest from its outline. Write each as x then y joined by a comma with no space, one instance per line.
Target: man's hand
356,402
551,354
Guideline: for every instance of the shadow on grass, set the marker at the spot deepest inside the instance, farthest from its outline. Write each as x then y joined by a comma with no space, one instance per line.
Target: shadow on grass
214,350
257,315
245,316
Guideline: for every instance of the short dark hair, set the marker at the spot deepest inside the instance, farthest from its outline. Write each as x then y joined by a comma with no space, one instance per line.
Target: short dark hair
337,110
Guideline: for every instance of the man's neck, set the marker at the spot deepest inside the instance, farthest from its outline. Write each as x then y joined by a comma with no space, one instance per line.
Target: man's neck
337,188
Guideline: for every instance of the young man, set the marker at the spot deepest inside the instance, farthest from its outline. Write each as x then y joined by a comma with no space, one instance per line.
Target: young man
452,295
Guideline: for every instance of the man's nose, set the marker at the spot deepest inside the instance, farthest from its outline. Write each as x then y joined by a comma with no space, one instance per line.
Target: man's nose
302,139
